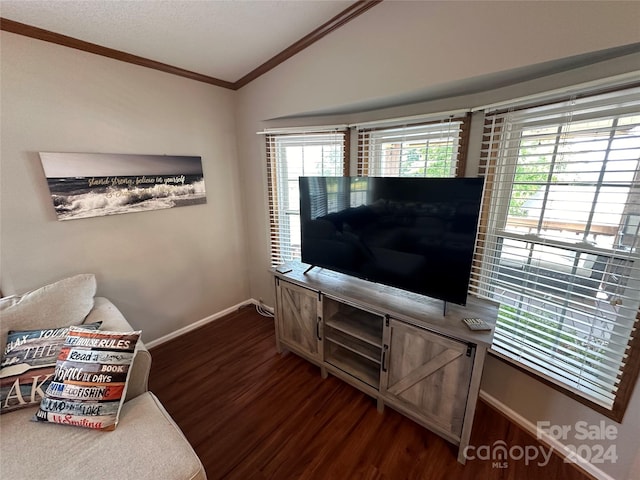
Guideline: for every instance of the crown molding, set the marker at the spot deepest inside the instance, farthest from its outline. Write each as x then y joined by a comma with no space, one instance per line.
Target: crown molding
66,41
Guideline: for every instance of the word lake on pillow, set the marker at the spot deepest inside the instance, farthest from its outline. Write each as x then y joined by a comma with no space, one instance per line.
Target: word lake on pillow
90,378
28,364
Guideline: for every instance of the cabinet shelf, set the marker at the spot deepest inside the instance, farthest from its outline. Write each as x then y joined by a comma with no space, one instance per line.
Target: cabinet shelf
355,365
353,344
353,341
357,323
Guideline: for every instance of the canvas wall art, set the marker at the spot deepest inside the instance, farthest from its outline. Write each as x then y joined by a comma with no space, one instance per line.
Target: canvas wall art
96,184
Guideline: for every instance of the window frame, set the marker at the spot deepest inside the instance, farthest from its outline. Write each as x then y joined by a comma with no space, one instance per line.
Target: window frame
277,194
631,369
368,162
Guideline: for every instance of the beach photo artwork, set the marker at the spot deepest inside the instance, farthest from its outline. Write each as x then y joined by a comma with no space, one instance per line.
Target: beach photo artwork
96,184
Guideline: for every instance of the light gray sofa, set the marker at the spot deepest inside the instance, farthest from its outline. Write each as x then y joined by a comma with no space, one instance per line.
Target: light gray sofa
147,444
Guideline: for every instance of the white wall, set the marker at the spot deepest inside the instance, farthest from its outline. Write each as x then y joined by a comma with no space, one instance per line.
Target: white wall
164,269
401,50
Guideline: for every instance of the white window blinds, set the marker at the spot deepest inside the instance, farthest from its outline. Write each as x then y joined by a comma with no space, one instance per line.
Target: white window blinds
290,156
434,149
558,242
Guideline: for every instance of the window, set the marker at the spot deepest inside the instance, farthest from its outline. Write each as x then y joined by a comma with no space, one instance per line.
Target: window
434,149
289,156
558,243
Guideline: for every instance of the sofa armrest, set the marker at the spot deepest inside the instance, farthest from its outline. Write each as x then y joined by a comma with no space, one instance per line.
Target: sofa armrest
112,319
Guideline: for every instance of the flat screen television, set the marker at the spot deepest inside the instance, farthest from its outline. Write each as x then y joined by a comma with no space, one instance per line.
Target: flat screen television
416,234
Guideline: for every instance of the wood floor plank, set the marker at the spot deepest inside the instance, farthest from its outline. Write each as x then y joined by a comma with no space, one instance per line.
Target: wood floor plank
251,413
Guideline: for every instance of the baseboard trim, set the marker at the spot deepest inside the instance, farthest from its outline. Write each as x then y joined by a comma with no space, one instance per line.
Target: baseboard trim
559,448
199,323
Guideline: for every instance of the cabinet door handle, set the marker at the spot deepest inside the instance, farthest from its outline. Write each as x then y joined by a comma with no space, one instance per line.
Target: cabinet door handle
318,328
384,358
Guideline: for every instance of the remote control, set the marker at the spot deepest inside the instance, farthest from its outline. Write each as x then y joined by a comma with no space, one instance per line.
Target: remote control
476,324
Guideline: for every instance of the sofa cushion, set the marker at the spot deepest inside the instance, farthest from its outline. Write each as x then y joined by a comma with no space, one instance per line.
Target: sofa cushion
28,363
90,378
60,304
146,445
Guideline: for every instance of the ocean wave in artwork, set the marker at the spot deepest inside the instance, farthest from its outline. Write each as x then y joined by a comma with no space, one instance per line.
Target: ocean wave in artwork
114,200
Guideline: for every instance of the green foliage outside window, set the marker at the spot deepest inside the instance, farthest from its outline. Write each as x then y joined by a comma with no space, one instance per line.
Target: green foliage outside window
438,161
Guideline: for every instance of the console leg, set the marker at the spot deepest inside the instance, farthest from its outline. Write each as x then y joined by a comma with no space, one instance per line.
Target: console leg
380,405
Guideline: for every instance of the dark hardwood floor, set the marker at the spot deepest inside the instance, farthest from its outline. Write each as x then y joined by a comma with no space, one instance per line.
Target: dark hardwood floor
251,413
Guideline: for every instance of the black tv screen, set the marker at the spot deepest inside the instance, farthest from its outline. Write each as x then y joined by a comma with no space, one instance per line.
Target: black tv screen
417,234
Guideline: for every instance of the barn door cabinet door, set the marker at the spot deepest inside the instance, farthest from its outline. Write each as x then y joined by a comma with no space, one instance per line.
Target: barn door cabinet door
299,320
428,376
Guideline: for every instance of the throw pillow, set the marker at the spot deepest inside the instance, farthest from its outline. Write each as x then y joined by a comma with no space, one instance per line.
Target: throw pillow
90,379
28,362
60,304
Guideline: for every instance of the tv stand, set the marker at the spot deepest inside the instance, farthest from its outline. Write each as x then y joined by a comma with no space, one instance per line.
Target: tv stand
308,269
400,348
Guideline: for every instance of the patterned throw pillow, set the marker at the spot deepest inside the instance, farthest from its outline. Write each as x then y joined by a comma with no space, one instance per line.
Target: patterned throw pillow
90,379
28,364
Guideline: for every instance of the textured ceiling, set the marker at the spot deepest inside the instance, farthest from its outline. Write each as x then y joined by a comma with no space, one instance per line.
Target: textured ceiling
224,39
